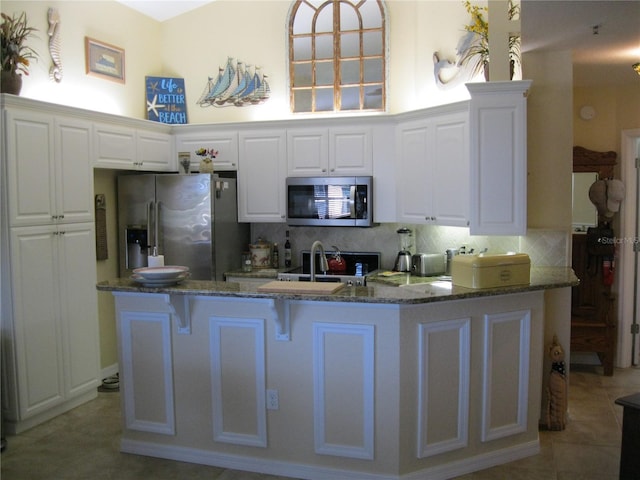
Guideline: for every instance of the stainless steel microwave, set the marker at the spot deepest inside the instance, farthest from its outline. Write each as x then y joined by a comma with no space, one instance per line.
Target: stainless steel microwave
330,201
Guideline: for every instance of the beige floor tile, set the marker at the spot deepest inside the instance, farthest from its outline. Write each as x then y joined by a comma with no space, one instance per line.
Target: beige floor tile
83,444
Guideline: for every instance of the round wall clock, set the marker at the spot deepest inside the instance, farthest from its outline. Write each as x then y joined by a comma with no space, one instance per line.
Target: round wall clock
587,112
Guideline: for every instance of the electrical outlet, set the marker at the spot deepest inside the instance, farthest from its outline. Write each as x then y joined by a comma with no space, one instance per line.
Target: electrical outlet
272,400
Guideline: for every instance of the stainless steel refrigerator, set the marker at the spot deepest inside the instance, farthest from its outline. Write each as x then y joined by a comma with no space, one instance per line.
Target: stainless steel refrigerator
190,219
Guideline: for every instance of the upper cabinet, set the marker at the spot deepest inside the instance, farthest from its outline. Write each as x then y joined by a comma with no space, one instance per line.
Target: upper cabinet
128,148
498,121
224,142
49,168
433,167
332,151
261,180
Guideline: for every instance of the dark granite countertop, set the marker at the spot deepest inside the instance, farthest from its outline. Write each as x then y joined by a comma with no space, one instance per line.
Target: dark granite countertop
260,273
401,289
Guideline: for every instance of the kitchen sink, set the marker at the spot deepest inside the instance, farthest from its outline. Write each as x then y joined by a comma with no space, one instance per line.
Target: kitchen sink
430,287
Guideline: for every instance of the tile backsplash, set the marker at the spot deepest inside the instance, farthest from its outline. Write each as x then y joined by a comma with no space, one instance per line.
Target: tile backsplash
545,247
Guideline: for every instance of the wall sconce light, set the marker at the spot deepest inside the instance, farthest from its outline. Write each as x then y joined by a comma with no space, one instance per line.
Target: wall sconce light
636,67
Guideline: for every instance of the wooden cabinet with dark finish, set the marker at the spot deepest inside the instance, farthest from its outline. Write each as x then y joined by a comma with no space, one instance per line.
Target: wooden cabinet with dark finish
593,319
593,315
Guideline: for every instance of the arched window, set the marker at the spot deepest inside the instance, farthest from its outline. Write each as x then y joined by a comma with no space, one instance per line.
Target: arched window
337,55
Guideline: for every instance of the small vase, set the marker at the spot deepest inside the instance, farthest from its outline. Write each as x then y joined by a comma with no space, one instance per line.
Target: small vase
206,167
485,69
10,82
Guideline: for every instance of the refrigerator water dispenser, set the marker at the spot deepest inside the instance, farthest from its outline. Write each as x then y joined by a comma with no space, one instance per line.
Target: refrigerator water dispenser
137,247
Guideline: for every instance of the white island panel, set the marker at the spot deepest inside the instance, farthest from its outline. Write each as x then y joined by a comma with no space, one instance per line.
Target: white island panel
365,391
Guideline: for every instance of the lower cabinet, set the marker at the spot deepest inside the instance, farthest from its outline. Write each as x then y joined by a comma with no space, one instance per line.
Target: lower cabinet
52,352
437,389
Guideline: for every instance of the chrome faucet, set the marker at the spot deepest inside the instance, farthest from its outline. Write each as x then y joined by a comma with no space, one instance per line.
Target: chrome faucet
324,264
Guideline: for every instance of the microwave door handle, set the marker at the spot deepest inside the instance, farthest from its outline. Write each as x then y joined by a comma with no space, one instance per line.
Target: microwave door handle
352,201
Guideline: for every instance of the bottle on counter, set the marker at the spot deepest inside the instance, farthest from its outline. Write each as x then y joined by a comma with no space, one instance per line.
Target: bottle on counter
246,261
275,256
287,251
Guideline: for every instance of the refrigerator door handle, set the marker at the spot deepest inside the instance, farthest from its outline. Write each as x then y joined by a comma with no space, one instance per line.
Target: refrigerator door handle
156,217
150,240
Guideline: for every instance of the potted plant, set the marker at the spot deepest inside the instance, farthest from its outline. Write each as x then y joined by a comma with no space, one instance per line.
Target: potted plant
475,45
14,53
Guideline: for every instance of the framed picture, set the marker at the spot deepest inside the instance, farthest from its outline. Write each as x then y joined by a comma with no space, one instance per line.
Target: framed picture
104,60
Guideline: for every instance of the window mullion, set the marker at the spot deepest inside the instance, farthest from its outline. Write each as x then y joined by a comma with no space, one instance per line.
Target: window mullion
337,77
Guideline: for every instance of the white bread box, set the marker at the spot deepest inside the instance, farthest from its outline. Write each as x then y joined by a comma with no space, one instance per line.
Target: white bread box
487,271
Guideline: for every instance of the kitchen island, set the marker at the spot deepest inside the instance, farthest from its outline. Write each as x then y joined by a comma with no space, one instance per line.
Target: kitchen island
388,381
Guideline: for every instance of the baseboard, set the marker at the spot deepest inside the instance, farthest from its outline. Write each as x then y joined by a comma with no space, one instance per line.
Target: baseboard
108,371
313,472
476,463
14,428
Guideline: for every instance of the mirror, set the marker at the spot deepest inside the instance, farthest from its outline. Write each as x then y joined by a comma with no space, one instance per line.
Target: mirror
588,166
584,213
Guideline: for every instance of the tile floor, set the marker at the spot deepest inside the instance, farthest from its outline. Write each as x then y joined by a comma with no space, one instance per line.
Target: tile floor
83,444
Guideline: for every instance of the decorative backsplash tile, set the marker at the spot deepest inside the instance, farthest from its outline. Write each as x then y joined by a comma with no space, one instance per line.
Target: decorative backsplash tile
545,247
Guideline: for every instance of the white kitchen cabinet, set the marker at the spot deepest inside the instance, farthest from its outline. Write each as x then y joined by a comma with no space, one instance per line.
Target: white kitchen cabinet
414,180
498,136
335,151
226,143
155,151
114,147
128,148
262,176
307,152
50,177
433,170
451,169
54,361
49,302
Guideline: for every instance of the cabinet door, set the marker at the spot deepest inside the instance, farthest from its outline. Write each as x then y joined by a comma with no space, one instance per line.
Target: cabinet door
350,151
262,176
74,171
114,147
76,277
307,152
415,173
451,170
31,170
38,346
498,137
226,143
155,152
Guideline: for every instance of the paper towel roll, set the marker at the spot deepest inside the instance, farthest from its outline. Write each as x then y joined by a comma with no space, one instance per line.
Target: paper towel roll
157,261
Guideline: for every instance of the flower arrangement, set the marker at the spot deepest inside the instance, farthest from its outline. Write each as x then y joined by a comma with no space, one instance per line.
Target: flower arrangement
475,51
208,154
14,53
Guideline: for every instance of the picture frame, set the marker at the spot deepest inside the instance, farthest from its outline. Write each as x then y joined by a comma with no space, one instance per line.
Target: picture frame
104,60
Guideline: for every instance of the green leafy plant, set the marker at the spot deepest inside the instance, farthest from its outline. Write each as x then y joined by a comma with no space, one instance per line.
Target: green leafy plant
15,53
475,50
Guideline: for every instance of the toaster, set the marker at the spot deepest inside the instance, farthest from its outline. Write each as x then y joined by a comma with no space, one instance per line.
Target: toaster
428,264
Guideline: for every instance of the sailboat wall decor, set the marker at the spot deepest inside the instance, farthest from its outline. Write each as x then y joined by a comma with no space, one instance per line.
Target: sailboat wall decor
236,85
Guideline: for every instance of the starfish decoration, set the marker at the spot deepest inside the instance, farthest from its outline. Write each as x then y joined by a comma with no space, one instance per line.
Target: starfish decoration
152,105
153,86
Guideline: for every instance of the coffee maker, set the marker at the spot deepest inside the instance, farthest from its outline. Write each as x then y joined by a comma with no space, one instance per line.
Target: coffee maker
403,259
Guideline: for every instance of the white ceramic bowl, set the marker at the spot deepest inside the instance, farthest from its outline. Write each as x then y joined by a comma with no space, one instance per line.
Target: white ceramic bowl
167,272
